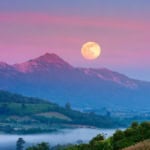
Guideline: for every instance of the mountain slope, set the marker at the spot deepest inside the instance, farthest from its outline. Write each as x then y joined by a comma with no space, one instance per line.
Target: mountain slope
19,114
42,63
144,145
50,77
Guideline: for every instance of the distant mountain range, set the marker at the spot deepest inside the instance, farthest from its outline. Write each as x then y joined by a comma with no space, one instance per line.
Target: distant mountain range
51,77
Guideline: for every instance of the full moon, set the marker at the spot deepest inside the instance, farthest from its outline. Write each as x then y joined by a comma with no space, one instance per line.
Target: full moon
91,50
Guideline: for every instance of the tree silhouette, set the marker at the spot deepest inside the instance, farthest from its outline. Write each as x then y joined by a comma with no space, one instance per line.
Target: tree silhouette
68,106
20,144
41,146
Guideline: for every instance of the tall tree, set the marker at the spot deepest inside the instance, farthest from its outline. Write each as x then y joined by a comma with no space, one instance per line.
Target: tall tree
68,106
20,144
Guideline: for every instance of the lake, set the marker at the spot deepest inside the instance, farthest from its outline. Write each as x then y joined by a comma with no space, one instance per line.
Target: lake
72,136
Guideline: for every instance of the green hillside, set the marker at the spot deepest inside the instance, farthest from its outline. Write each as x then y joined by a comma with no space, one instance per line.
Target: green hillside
144,145
20,114
120,139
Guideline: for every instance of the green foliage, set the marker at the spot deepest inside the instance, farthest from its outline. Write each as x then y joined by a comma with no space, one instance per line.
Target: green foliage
118,135
20,144
41,146
134,125
96,139
135,133
18,110
120,139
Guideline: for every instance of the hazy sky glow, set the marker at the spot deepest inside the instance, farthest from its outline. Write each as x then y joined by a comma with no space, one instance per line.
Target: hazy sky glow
30,28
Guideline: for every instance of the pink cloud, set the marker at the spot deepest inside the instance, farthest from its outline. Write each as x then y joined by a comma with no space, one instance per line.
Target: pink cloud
46,19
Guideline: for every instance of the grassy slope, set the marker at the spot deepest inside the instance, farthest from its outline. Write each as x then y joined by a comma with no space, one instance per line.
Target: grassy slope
20,110
145,145
54,114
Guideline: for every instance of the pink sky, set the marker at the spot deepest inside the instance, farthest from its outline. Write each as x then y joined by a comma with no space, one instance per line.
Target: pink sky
124,41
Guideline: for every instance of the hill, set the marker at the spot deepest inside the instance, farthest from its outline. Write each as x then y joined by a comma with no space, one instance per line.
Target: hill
145,145
120,139
50,77
20,114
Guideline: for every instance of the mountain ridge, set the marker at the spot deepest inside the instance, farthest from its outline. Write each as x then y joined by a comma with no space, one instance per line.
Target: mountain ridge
42,61
52,58
50,77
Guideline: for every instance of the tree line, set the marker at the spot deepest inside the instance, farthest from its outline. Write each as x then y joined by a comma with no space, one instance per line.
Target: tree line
137,132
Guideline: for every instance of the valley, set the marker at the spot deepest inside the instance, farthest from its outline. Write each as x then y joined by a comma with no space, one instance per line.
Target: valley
25,115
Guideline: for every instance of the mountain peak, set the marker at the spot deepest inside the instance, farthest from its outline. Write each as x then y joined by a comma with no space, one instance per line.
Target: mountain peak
4,65
50,55
49,58
43,62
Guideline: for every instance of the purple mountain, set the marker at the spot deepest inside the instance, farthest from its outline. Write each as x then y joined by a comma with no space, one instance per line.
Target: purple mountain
52,78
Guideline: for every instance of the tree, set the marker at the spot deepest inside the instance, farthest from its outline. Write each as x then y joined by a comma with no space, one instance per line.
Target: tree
108,114
23,106
41,146
134,125
118,135
20,144
98,138
68,106
4,108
